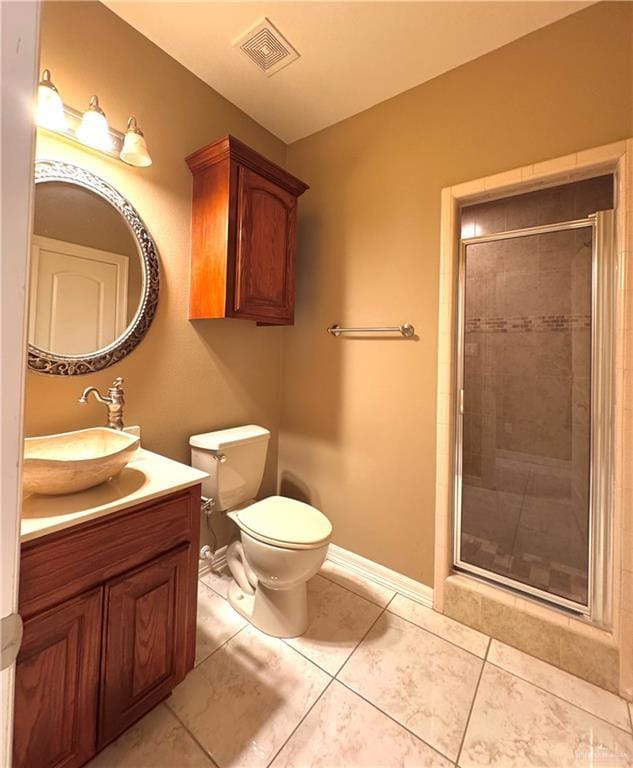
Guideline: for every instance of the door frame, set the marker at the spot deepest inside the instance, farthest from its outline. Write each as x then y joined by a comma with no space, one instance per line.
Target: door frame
20,62
464,596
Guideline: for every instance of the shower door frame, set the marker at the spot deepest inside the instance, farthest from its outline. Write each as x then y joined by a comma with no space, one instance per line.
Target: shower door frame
601,447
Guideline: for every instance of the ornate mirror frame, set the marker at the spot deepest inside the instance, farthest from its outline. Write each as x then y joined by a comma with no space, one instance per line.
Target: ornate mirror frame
44,361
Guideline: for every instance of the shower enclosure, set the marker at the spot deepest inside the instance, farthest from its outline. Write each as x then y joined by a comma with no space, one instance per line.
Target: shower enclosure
533,456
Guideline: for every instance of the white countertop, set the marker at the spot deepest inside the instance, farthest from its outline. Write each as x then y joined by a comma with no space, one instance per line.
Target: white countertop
146,477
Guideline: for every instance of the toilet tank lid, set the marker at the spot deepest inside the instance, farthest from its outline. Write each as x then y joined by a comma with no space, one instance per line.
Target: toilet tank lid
225,438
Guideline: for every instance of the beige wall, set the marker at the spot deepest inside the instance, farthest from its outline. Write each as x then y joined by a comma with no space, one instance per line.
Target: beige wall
185,377
358,416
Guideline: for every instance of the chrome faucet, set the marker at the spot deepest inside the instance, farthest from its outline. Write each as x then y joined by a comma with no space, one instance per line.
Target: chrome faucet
114,402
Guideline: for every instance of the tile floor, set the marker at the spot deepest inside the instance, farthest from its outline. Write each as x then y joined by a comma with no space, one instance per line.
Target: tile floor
377,680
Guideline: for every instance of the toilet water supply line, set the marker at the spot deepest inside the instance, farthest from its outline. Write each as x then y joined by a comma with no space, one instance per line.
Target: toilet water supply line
245,577
206,508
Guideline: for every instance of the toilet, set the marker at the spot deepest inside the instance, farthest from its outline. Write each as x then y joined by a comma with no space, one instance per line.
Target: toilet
283,542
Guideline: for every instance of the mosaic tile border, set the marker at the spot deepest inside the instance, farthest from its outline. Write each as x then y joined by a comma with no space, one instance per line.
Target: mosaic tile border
527,324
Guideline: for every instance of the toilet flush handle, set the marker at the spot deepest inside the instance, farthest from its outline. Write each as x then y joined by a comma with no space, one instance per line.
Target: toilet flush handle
220,458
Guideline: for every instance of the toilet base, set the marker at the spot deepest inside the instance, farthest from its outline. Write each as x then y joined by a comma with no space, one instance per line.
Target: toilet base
277,612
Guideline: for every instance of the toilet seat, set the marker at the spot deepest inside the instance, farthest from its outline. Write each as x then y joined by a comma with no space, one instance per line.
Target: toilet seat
284,522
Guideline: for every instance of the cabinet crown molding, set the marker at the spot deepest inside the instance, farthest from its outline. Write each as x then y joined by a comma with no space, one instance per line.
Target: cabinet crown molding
233,149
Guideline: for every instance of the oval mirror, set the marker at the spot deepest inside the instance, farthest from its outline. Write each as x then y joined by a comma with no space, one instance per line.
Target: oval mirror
94,273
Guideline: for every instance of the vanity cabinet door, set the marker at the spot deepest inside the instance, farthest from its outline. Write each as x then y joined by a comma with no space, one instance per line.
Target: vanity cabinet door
56,685
265,254
145,639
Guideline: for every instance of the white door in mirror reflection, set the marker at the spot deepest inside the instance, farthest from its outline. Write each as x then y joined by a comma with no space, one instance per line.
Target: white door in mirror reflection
78,297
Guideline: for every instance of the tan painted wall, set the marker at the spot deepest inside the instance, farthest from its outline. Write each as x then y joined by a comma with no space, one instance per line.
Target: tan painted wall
358,417
185,377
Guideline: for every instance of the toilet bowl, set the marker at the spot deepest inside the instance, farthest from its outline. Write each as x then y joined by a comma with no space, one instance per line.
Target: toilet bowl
283,542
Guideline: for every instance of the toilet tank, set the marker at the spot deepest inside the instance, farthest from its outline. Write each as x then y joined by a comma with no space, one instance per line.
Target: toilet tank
235,460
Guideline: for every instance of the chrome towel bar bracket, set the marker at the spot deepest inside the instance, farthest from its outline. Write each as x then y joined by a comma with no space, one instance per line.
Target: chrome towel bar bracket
406,330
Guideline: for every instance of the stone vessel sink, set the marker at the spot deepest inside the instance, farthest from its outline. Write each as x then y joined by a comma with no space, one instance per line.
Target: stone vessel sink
74,461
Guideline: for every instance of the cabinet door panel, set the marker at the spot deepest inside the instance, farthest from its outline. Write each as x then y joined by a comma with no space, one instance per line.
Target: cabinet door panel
145,639
56,685
265,258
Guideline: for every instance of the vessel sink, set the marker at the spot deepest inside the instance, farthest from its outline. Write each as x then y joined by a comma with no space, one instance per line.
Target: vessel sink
74,461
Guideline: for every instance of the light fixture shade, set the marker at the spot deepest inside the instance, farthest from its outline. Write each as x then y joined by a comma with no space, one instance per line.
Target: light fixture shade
134,151
93,129
50,108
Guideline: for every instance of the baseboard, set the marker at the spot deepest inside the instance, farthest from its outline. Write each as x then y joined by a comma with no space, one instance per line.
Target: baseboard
366,569
216,563
380,574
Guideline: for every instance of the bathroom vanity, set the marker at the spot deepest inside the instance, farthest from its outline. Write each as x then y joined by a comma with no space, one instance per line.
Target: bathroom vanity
108,568
108,585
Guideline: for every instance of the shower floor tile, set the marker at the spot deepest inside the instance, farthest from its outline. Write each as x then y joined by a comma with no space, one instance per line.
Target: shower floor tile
545,574
415,689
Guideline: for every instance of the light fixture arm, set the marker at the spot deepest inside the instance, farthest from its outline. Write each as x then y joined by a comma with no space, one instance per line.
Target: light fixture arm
46,81
93,105
132,126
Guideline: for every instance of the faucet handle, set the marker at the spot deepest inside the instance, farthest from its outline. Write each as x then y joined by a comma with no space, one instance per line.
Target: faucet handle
116,393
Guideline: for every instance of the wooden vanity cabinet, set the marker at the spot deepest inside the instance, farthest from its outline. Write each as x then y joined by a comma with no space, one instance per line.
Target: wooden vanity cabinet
57,683
109,609
244,235
145,640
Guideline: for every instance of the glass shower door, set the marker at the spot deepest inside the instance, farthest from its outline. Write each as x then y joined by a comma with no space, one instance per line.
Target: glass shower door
524,447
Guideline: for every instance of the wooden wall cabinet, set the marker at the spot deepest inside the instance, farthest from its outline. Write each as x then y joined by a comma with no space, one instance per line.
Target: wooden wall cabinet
110,627
244,235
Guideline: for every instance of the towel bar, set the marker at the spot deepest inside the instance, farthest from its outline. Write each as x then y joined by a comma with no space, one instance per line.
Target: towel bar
406,329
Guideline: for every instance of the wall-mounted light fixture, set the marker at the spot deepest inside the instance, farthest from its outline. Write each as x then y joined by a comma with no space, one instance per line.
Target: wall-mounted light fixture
89,128
94,130
134,149
50,107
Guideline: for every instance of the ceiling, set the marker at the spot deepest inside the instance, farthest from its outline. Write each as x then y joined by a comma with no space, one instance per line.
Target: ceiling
352,54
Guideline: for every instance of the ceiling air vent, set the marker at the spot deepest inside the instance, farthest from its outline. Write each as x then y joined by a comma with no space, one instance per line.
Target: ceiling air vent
267,47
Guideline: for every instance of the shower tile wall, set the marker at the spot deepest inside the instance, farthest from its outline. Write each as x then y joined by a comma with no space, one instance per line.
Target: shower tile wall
527,355
545,206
